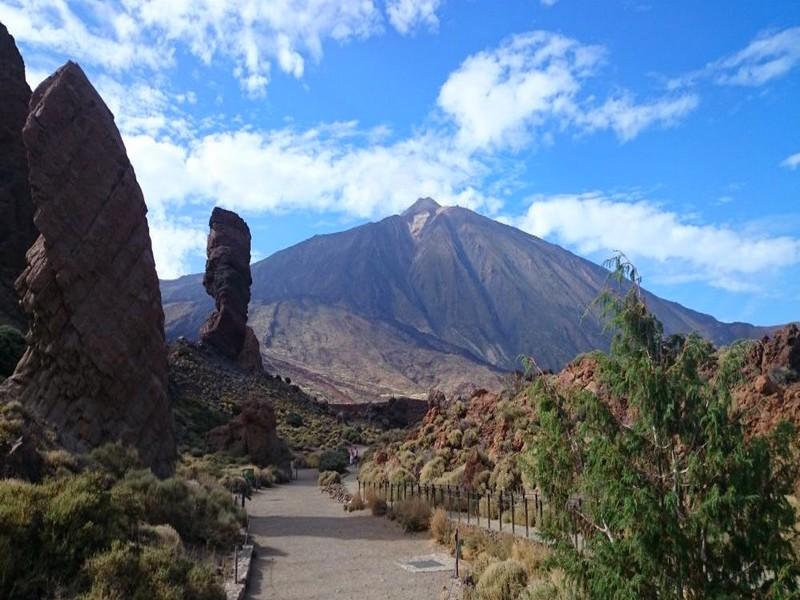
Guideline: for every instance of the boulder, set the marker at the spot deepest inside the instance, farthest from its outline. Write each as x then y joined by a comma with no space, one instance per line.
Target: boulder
227,279
252,433
17,231
96,365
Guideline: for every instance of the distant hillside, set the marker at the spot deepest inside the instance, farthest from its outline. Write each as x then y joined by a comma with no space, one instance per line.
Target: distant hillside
436,296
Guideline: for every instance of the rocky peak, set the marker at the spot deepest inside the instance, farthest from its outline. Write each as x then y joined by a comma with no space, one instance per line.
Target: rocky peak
422,205
96,366
17,232
227,279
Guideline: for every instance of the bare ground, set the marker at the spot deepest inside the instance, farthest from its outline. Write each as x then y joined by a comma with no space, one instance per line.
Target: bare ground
309,548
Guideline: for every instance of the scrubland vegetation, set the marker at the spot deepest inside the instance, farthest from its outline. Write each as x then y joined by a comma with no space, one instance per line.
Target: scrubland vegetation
102,527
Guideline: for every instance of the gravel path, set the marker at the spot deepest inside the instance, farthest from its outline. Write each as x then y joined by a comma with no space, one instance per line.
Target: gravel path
309,548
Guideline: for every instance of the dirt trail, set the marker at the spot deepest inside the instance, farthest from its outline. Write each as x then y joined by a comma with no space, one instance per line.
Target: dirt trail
309,548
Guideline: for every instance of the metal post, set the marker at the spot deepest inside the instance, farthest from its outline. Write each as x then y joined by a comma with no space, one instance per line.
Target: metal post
500,511
527,530
458,550
458,504
469,494
513,515
236,564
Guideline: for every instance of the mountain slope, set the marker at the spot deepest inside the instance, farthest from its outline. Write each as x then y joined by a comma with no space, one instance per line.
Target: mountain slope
437,296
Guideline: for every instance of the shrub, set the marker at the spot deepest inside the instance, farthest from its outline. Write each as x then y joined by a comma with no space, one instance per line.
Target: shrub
454,438
294,420
352,435
506,475
327,478
12,346
432,470
115,458
376,504
413,514
441,527
125,572
312,460
502,581
334,460
264,477
356,503
470,438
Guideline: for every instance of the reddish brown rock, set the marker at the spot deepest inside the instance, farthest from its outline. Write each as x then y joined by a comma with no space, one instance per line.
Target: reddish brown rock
227,279
17,232
96,367
252,433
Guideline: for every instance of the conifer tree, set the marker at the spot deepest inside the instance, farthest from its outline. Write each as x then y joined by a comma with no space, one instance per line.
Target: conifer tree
671,499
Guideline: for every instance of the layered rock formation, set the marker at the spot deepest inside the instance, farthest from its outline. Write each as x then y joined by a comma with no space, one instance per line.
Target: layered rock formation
17,232
96,367
227,279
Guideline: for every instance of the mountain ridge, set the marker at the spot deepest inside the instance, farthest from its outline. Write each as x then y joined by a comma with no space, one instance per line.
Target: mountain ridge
435,296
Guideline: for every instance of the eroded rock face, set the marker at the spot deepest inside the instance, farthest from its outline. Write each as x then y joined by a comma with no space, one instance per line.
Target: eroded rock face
96,367
17,232
252,433
227,279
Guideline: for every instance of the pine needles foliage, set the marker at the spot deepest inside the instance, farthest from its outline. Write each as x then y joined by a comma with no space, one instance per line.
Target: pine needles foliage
668,496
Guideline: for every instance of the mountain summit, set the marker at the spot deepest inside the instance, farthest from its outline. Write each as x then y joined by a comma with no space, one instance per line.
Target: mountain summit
436,296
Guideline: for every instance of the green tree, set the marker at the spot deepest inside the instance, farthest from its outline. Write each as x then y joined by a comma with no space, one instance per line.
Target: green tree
670,497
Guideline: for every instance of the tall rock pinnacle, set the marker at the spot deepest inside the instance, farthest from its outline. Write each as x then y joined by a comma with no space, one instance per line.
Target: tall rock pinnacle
96,367
227,279
17,232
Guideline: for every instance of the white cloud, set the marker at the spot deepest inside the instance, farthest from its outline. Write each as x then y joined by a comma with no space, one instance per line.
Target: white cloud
407,15
174,243
548,3
130,34
791,162
628,119
765,58
317,169
769,56
502,97
594,222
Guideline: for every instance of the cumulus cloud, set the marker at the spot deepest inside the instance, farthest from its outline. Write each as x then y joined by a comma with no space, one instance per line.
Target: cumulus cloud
320,169
407,15
253,34
791,162
174,244
503,96
594,222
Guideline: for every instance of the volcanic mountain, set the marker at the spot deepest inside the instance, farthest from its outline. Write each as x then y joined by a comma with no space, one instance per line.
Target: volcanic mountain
435,297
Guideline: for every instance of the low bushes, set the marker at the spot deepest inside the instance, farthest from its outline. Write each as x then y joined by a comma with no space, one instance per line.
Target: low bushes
356,503
442,529
413,514
502,581
327,478
125,571
334,460
376,504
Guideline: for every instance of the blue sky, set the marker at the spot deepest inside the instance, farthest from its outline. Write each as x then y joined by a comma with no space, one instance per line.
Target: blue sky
668,130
